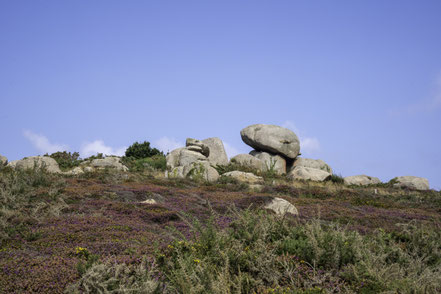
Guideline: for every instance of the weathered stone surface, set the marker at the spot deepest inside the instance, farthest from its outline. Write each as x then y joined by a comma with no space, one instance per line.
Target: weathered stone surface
149,201
204,150
361,180
88,169
217,156
412,182
312,163
12,164
172,158
249,161
187,157
281,207
276,162
109,162
307,173
176,172
38,162
75,171
3,160
202,170
244,177
272,139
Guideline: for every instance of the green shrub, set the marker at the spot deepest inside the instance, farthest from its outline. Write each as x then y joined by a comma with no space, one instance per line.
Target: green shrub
155,162
338,179
142,150
66,160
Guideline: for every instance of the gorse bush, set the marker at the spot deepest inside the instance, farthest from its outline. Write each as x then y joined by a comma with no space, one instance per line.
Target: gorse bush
142,150
66,160
262,253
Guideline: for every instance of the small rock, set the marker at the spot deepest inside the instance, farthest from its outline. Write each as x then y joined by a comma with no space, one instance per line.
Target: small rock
361,180
411,182
281,207
307,173
75,171
149,201
88,169
244,177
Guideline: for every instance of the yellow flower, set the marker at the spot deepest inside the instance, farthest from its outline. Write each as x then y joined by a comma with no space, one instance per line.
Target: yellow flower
170,246
196,260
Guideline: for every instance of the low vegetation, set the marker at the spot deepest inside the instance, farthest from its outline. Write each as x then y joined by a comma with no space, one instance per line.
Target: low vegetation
95,234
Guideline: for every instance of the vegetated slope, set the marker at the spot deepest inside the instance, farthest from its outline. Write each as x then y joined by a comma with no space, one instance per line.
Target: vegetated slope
93,234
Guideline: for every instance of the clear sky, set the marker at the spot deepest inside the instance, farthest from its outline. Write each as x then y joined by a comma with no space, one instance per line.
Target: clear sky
358,81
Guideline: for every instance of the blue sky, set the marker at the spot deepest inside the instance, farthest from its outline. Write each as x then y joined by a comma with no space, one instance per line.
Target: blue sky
358,81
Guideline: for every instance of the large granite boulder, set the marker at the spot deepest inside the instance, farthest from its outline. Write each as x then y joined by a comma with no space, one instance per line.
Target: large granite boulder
112,162
312,163
3,160
281,207
307,173
361,180
248,161
411,182
272,139
201,170
217,156
187,157
38,162
243,177
274,162
172,158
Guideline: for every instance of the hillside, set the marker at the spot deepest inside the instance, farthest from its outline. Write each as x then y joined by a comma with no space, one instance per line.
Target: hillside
92,233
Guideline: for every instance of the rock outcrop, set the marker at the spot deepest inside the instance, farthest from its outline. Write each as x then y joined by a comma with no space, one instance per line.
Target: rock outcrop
3,160
37,162
308,173
361,180
217,156
191,161
281,207
243,177
411,182
271,162
248,161
272,139
312,163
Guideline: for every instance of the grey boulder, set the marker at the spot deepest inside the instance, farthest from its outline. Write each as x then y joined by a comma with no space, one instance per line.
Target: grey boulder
243,177
361,180
201,170
217,156
273,139
281,207
37,162
187,157
411,182
248,161
172,158
271,162
307,173
112,162
312,163
198,146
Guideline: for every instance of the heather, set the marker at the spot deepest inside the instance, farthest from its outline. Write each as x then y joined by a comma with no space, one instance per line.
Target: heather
93,234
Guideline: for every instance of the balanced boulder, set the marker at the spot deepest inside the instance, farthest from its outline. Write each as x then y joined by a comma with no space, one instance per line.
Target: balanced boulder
38,162
411,182
361,180
217,156
272,139
198,146
307,173
312,163
248,161
271,162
